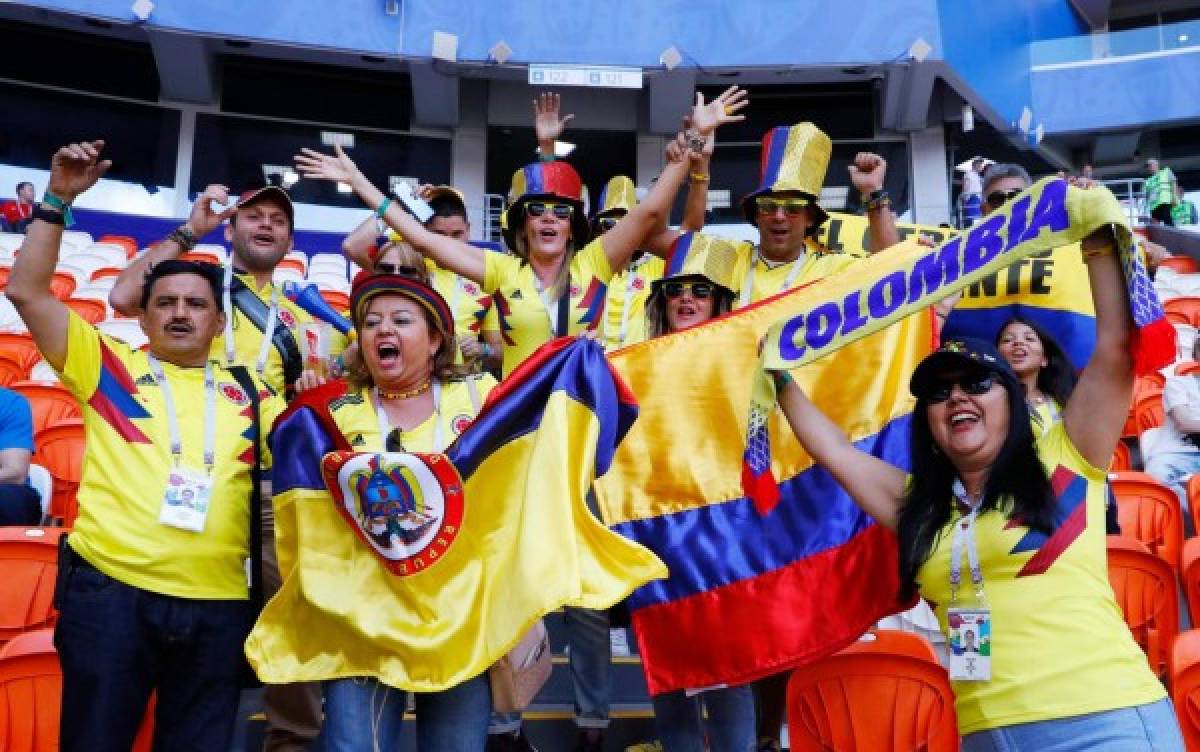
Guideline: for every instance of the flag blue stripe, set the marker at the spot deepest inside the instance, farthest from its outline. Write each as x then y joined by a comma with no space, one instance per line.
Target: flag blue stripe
298,443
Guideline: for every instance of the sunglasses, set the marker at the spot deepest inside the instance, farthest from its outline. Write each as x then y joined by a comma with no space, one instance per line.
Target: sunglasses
699,290
607,223
996,198
403,270
974,385
793,207
560,211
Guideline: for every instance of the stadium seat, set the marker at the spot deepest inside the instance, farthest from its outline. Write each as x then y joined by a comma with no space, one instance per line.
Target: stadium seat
11,242
86,263
213,249
31,697
49,401
1150,513
294,260
4,272
1149,383
20,346
10,320
62,284
1185,685
287,274
1183,310
90,310
1148,410
114,254
105,272
44,372
77,238
1189,576
336,298
11,370
29,559
1145,588
884,692
60,448
203,257
128,244
42,482
1181,264
1122,461
1189,368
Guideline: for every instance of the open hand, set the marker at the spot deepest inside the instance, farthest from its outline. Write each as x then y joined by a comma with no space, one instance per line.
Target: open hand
546,122
723,109
339,167
75,168
203,219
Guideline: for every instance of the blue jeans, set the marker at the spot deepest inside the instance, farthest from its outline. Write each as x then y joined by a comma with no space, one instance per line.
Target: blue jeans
362,714
1174,469
591,678
680,727
1141,728
118,643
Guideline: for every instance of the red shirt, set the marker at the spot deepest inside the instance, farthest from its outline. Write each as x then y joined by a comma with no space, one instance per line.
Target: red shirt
15,211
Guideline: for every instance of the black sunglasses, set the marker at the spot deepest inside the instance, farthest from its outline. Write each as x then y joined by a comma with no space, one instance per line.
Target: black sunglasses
700,290
996,198
560,211
403,270
975,385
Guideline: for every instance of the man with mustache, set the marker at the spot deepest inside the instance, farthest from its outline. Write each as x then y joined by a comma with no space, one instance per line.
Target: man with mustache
151,588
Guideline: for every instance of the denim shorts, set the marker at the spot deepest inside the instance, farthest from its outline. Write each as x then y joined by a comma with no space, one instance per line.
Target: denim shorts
1141,728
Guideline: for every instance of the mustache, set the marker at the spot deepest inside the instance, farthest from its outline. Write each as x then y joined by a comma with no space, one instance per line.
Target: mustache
179,324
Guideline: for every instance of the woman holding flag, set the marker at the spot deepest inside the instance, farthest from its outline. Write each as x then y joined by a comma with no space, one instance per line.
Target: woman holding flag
1061,670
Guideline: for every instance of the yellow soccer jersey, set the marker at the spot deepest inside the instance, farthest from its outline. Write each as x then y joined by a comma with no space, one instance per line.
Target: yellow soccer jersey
247,338
525,320
625,308
473,309
1060,646
765,280
128,458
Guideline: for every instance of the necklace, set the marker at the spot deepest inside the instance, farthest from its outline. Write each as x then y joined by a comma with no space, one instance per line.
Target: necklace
416,391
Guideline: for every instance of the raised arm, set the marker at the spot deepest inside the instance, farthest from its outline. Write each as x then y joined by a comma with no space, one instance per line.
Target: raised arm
74,169
875,485
126,293
547,124
461,258
867,173
635,227
1096,411
360,239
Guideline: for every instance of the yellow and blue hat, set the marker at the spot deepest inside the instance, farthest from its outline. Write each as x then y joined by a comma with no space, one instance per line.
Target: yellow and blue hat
545,181
794,158
618,194
695,254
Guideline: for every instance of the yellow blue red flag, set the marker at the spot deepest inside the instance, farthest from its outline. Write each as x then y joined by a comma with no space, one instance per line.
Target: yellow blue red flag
515,542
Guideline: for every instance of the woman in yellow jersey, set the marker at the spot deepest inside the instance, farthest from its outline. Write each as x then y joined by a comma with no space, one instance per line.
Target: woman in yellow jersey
697,288
1056,667
403,394
1041,366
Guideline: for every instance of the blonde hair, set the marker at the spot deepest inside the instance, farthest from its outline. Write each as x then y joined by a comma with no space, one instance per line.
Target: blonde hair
406,255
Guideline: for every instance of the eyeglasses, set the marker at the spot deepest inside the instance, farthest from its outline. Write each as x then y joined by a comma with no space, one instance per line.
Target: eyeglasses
403,270
560,211
974,385
698,290
996,198
793,207
607,223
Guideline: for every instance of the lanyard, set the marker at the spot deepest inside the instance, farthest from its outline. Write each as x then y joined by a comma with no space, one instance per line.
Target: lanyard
748,283
385,425
210,413
264,349
964,536
559,322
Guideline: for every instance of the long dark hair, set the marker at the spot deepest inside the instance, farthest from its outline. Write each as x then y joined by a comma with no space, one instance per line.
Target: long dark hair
1057,377
656,307
1016,486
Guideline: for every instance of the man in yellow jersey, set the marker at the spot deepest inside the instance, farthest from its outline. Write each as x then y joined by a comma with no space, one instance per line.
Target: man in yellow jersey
263,327
625,306
152,588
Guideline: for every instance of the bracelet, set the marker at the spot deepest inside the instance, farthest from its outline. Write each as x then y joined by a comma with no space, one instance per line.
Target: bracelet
782,379
544,157
1096,253
699,177
48,215
876,200
183,237
383,207
486,350
695,141
56,203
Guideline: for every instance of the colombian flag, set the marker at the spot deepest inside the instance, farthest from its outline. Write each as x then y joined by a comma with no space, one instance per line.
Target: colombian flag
526,544
754,590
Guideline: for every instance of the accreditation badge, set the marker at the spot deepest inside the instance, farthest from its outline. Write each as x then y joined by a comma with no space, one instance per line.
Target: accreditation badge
186,500
970,638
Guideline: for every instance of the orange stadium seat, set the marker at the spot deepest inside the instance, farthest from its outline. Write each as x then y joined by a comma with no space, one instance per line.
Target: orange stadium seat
1122,461
1149,382
105,271
1181,264
29,560
11,369
50,402
1185,685
1193,495
201,256
339,300
126,242
1183,310
4,272
1189,574
889,693
60,449
62,285
1148,410
90,310
1150,513
1189,368
20,347
1145,589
